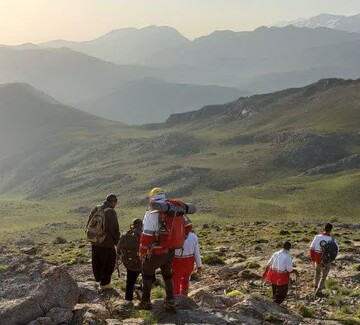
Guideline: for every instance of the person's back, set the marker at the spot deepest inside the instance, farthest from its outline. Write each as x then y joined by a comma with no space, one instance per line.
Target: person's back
103,251
278,272
184,263
128,248
322,266
155,251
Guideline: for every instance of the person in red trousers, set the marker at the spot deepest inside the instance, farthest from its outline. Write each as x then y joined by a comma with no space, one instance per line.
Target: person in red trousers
183,264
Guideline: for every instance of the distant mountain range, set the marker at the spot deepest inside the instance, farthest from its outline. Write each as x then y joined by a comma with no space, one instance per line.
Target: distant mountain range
173,74
127,45
339,22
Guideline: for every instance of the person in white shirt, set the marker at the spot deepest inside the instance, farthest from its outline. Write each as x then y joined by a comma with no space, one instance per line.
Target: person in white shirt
322,268
183,264
278,271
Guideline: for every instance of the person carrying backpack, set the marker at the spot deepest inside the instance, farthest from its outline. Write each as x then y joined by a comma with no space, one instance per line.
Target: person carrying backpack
128,249
163,232
184,264
278,271
323,251
103,233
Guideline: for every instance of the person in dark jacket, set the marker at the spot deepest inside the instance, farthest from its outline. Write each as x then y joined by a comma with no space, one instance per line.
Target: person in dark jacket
128,248
104,254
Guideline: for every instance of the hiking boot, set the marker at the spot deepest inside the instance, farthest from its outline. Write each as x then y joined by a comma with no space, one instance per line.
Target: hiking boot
145,305
106,287
169,305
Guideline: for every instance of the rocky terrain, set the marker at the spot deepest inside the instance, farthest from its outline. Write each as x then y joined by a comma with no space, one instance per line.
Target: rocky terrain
53,284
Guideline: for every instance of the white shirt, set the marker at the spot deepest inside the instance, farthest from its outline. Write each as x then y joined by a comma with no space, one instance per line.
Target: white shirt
281,261
318,242
190,248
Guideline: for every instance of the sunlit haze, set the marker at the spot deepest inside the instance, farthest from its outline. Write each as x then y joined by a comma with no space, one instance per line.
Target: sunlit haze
36,21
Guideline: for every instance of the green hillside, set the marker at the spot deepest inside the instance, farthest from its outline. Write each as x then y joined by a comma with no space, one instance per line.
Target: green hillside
277,156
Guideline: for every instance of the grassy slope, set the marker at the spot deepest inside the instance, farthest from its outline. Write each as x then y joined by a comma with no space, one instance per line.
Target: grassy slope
238,182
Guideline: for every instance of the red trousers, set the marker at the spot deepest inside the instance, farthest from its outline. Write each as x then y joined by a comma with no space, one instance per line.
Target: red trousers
182,269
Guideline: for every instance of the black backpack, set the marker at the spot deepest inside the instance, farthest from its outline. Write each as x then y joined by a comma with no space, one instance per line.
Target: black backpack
129,251
329,252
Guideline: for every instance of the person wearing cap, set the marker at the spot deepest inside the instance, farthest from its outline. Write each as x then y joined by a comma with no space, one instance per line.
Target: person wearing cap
154,256
184,264
278,271
104,254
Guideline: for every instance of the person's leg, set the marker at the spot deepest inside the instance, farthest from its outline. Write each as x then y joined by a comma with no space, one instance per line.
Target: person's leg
148,273
273,286
131,277
166,271
317,275
188,266
96,262
324,273
177,275
281,293
109,261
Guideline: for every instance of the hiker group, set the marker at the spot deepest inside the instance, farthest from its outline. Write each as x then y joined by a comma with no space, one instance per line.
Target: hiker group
164,240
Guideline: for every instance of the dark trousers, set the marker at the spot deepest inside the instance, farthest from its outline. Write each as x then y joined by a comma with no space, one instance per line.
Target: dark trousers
279,293
103,263
164,262
131,277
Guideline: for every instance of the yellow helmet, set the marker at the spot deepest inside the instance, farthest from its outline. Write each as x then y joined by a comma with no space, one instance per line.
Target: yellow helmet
156,191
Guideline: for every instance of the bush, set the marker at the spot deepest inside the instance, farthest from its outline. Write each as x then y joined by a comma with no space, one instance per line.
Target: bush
59,240
306,312
213,259
356,267
158,292
72,261
252,265
3,268
144,314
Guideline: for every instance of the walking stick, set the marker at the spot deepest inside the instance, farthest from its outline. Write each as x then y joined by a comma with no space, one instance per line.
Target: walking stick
296,290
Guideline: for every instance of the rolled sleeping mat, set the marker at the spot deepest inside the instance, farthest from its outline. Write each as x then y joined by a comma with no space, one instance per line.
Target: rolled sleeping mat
164,206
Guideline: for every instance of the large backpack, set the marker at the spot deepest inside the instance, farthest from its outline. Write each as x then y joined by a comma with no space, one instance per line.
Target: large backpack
329,252
129,251
95,229
172,227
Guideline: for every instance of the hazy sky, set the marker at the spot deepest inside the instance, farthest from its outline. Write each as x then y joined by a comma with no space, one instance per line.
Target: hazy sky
42,20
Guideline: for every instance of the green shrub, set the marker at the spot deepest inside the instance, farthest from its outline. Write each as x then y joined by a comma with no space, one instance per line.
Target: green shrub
72,261
306,312
356,267
158,292
59,240
144,314
252,265
213,259
3,268
332,284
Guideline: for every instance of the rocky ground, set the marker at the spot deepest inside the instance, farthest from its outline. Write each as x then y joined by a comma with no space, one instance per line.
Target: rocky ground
53,284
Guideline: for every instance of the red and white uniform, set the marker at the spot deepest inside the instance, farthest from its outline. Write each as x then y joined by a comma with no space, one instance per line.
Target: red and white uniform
280,267
316,244
148,239
184,264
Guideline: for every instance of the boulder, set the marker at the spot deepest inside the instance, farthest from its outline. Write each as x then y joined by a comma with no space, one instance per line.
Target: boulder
42,321
120,309
33,289
228,272
30,250
207,299
60,315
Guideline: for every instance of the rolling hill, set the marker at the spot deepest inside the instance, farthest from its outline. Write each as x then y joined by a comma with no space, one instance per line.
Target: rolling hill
104,88
254,148
150,100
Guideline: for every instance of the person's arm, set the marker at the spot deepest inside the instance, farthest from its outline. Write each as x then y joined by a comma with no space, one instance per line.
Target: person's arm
148,236
197,257
312,249
112,225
